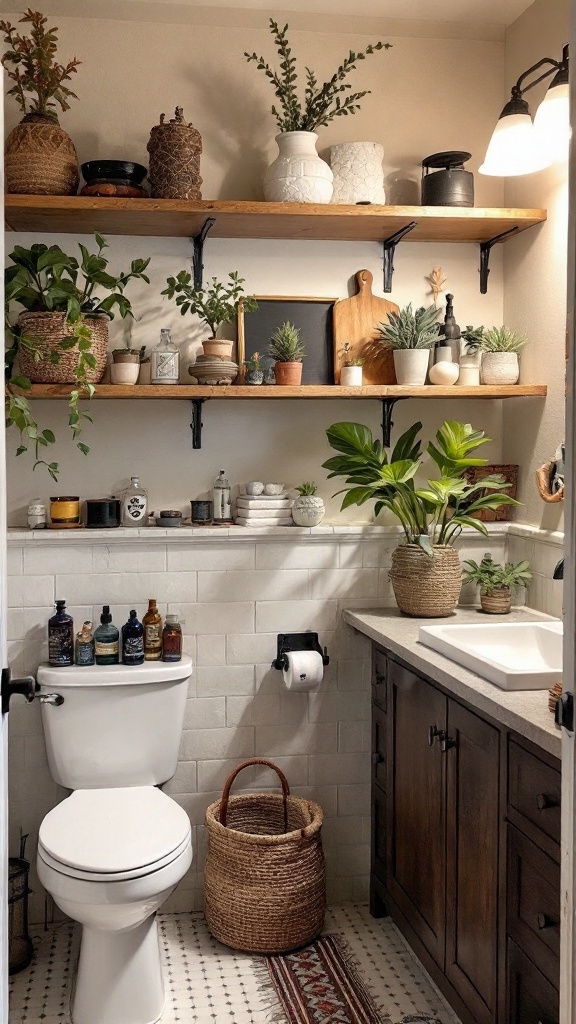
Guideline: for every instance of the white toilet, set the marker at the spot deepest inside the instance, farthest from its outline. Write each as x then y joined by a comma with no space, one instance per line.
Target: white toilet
113,851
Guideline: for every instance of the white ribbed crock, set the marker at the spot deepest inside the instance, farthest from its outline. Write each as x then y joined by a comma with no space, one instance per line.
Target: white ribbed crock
298,174
499,368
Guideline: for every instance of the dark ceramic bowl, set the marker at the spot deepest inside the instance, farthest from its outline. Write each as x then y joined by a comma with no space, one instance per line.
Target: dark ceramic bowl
114,171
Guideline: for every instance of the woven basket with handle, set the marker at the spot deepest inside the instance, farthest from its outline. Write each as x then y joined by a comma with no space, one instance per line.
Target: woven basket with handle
264,881
47,330
423,586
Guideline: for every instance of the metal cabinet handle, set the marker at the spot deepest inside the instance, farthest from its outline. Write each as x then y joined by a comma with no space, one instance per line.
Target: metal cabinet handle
434,733
380,679
377,757
447,743
545,802
56,699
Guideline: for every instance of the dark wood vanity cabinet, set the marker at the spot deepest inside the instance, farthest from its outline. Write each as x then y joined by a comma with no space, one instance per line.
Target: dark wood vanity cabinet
463,848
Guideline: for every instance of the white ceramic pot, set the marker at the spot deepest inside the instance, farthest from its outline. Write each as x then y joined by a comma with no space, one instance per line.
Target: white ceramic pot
444,373
411,365
469,376
499,368
358,176
351,376
298,175
308,510
124,373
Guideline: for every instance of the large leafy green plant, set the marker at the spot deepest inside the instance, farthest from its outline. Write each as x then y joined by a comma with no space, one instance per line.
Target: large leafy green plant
216,303
433,514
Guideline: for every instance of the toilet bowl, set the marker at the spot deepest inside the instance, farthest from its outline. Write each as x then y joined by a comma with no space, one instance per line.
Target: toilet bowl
111,854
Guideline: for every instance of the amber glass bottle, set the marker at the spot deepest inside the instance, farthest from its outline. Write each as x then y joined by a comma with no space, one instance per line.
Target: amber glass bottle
172,639
152,623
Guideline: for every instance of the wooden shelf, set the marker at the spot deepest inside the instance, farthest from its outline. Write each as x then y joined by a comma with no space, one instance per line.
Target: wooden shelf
305,221
191,392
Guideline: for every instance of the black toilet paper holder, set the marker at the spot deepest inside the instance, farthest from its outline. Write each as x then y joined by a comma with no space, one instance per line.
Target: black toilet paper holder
288,642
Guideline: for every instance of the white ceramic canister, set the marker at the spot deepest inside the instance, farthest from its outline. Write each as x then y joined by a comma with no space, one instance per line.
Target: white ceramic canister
358,175
298,174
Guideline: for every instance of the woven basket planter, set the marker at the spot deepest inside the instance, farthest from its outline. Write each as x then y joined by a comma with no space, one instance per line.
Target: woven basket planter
496,602
47,330
40,159
264,880
175,149
426,587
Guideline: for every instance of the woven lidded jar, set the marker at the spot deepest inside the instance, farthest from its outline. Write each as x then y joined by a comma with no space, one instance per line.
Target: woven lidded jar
175,147
40,158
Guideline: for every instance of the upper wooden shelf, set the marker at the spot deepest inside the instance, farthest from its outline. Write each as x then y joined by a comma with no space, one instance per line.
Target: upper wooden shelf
180,218
195,391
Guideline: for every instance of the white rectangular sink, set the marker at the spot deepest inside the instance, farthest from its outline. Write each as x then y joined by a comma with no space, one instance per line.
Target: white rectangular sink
513,655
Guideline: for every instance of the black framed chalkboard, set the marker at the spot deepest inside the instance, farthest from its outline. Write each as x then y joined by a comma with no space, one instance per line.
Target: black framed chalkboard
314,318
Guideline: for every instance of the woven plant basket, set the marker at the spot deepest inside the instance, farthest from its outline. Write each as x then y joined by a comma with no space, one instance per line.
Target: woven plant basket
40,159
175,149
47,330
264,881
426,587
496,602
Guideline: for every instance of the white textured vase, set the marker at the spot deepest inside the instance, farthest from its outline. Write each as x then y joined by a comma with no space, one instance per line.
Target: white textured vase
411,365
351,376
308,510
499,368
298,174
358,176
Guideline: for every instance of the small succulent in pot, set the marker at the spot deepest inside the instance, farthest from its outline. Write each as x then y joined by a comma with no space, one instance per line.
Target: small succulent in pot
308,509
500,347
351,369
496,581
410,334
215,303
253,369
288,351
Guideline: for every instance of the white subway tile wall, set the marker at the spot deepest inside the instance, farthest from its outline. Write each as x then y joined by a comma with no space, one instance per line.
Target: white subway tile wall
234,595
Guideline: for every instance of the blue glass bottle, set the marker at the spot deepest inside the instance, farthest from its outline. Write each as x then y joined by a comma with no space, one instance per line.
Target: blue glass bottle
133,641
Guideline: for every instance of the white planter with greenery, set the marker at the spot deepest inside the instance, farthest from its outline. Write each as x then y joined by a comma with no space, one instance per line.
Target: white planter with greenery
410,365
298,174
308,509
499,347
499,368
410,334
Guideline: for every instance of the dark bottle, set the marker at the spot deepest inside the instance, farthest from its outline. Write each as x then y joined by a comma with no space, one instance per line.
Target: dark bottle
106,640
84,654
133,641
152,623
61,637
172,639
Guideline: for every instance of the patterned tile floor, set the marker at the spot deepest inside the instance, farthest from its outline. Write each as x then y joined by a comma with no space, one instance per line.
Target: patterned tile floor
210,984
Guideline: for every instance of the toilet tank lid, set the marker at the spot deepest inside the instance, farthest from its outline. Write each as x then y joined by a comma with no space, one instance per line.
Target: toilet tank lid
114,830
108,675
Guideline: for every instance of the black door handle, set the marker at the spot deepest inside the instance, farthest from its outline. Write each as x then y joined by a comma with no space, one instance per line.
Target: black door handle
26,687
434,733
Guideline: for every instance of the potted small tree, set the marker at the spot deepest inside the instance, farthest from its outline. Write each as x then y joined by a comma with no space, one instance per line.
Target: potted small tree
410,335
500,347
215,304
308,509
496,581
298,175
288,351
40,158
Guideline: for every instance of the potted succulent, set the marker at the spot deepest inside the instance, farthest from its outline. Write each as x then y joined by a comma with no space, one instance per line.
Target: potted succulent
500,347
495,581
40,158
126,363
410,334
307,508
215,303
351,369
288,351
253,369
298,175
425,572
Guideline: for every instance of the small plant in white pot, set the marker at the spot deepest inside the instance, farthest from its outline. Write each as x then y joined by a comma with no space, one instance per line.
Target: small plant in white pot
410,334
288,351
215,304
308,509
500,347
351,369
496,581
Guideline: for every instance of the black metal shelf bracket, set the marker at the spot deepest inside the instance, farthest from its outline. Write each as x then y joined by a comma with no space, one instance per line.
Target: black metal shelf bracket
389,245
485,248
198,253
387,422
196,425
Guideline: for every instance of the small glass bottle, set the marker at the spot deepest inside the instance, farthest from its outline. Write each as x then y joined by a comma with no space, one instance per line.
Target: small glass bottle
134,504
106,640
61,637
133,641
152,623
172,639
84,653
37,514
222,509
165,360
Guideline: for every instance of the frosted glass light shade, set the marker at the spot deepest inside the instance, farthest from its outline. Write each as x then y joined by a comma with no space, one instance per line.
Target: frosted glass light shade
513,148
552,123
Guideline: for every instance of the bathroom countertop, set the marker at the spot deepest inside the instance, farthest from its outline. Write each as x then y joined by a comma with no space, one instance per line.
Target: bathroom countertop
524,711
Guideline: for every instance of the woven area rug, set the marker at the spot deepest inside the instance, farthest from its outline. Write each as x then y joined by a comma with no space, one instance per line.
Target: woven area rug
321,984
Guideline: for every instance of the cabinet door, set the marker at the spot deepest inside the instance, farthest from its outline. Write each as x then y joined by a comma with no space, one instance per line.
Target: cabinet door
416,816
472,860
531,998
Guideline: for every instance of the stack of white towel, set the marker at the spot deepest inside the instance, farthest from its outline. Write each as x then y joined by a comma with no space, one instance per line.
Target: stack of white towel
264,510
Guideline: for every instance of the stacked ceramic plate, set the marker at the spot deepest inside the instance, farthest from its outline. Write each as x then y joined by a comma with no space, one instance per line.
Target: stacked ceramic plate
210,370
264,510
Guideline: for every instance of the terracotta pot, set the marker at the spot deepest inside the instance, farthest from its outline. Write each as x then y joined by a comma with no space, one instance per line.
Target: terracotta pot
288,373
496,602
220,348
47,330
40,159
125,355
426,587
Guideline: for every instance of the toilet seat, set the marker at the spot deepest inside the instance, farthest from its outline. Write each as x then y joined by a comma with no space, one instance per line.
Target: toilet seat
113,834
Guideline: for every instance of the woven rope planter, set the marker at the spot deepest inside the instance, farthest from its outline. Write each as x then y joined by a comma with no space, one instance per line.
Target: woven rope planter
264,881
47,330
40,159
497,602
175,150
426,587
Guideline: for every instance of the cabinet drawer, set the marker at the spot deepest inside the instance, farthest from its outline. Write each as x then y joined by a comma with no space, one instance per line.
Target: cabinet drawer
379,677
533,903
531,998
379,747
534,790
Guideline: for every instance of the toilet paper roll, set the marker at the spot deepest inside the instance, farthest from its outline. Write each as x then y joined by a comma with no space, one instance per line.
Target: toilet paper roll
304,670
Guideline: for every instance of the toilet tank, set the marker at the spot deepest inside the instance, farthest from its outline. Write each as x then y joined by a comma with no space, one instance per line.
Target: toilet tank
119,725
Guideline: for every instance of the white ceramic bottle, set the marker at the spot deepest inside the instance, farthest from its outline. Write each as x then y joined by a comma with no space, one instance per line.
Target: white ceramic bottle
134,504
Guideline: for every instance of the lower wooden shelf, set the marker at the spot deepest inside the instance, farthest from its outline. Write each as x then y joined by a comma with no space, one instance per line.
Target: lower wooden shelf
196,391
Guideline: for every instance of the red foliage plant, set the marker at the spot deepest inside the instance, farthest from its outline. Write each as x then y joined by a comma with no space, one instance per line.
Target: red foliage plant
30,62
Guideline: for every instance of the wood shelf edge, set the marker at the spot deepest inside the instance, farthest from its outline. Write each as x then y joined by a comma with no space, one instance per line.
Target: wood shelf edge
329,391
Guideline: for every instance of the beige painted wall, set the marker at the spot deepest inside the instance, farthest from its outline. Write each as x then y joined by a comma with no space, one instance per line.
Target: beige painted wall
429,93
535,277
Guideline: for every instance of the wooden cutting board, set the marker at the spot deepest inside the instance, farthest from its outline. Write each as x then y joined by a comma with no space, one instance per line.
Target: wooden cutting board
355,322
